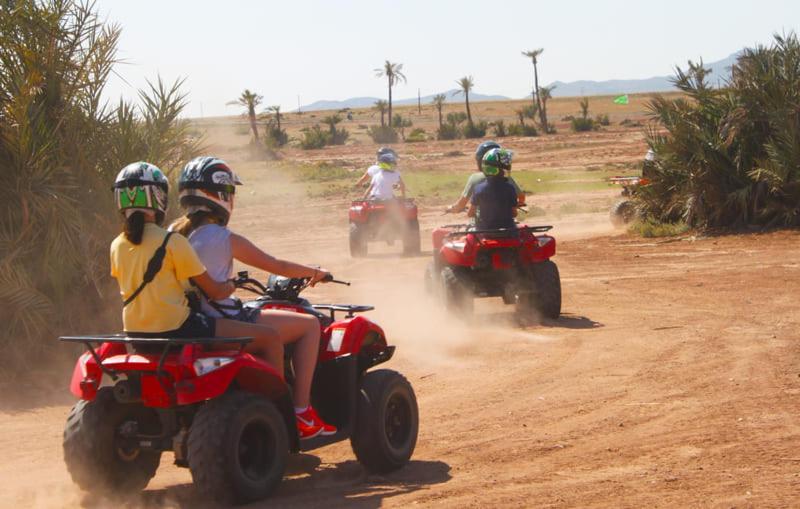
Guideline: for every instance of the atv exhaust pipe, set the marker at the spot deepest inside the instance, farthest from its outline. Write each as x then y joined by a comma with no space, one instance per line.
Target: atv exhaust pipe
128,391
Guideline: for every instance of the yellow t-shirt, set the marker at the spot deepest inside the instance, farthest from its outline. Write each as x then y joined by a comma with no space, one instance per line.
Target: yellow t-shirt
161,306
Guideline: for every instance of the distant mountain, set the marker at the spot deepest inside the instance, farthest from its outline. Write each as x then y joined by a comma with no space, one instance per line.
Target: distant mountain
366,102
721,71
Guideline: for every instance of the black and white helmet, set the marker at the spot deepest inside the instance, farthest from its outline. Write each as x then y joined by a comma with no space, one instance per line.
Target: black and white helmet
207,183
385,150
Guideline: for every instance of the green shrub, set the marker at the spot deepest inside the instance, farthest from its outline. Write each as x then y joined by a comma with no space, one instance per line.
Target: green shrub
474,130
499,129
650,228
729,157
275,138
314,138
602,120
382,134
522,130
580,125
448,132
61,147
456,118
417,135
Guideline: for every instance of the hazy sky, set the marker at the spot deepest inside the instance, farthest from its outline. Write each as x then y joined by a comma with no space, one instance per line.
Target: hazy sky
327,49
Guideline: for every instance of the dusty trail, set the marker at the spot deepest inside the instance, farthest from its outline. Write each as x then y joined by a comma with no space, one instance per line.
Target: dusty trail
671,380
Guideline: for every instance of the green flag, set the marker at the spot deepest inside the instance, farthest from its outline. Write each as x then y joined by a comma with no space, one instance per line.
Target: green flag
623,99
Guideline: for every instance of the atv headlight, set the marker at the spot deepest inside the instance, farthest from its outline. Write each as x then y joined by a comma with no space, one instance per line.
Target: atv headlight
457,245
208,364
358,208
543,241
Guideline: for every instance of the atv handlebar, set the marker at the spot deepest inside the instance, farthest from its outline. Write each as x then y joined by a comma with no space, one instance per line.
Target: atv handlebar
243,281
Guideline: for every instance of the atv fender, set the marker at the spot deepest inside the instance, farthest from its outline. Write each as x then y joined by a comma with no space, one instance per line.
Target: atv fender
87,375
348,337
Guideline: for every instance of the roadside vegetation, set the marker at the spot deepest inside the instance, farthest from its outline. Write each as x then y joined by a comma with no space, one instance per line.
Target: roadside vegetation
60,149
730,157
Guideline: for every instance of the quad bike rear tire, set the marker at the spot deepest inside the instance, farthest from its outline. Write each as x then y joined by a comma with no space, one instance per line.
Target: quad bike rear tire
431,278
545,299
97,457
358,241
238,446
456,295
622,213
387,421
411,240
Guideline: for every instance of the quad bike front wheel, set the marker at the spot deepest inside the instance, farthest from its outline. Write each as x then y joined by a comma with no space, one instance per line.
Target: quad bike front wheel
455,293
622,213
411,240
238,446
543,298
387,421
98,457
358,241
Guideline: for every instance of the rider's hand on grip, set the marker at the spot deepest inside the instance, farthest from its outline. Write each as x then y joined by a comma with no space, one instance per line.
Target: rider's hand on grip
320,275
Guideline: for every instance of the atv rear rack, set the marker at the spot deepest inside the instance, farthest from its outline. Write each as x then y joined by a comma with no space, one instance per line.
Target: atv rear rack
505,231
166,342
350,309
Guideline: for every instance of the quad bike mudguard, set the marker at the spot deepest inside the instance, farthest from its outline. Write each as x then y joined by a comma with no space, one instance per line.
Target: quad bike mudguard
363,211
184,372
484,250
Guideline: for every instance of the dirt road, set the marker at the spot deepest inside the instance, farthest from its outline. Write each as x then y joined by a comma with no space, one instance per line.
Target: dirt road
671,380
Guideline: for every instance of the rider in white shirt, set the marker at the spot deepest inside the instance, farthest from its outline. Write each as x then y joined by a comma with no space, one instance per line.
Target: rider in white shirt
385,179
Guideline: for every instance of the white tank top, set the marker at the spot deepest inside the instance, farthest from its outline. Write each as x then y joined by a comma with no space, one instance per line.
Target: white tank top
212,243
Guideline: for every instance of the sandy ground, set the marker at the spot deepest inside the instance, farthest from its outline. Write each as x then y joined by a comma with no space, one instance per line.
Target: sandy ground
671,380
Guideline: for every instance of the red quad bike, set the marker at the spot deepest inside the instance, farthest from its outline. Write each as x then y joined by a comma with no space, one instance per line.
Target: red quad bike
510,263
227,415
624,211
388,220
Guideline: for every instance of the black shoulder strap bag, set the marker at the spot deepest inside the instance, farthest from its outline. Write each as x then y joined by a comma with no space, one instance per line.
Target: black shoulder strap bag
153,267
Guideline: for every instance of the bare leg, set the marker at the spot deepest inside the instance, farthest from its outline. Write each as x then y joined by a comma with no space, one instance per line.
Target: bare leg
304,329
266,343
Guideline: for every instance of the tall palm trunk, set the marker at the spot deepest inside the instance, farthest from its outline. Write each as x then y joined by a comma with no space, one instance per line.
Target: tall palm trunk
440,117
542,115
383,122
251,112
469,114
390,102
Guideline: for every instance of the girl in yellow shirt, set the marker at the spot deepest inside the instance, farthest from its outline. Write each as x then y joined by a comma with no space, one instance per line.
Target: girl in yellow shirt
160,308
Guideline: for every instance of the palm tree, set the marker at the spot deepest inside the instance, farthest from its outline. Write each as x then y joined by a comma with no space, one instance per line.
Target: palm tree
249,100
534,56
380,107
393,73
276,110
545,94
466,83
438,101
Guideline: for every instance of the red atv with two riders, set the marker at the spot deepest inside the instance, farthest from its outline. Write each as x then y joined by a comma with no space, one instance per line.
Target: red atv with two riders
380,215
389,221
510,263
496,257
226,414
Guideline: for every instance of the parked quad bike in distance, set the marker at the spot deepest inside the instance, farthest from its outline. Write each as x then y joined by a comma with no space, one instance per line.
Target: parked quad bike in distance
510,263
624,210
389,220
227,415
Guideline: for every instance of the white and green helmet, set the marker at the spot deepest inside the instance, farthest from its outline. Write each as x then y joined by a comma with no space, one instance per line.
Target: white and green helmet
496,161
141,187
